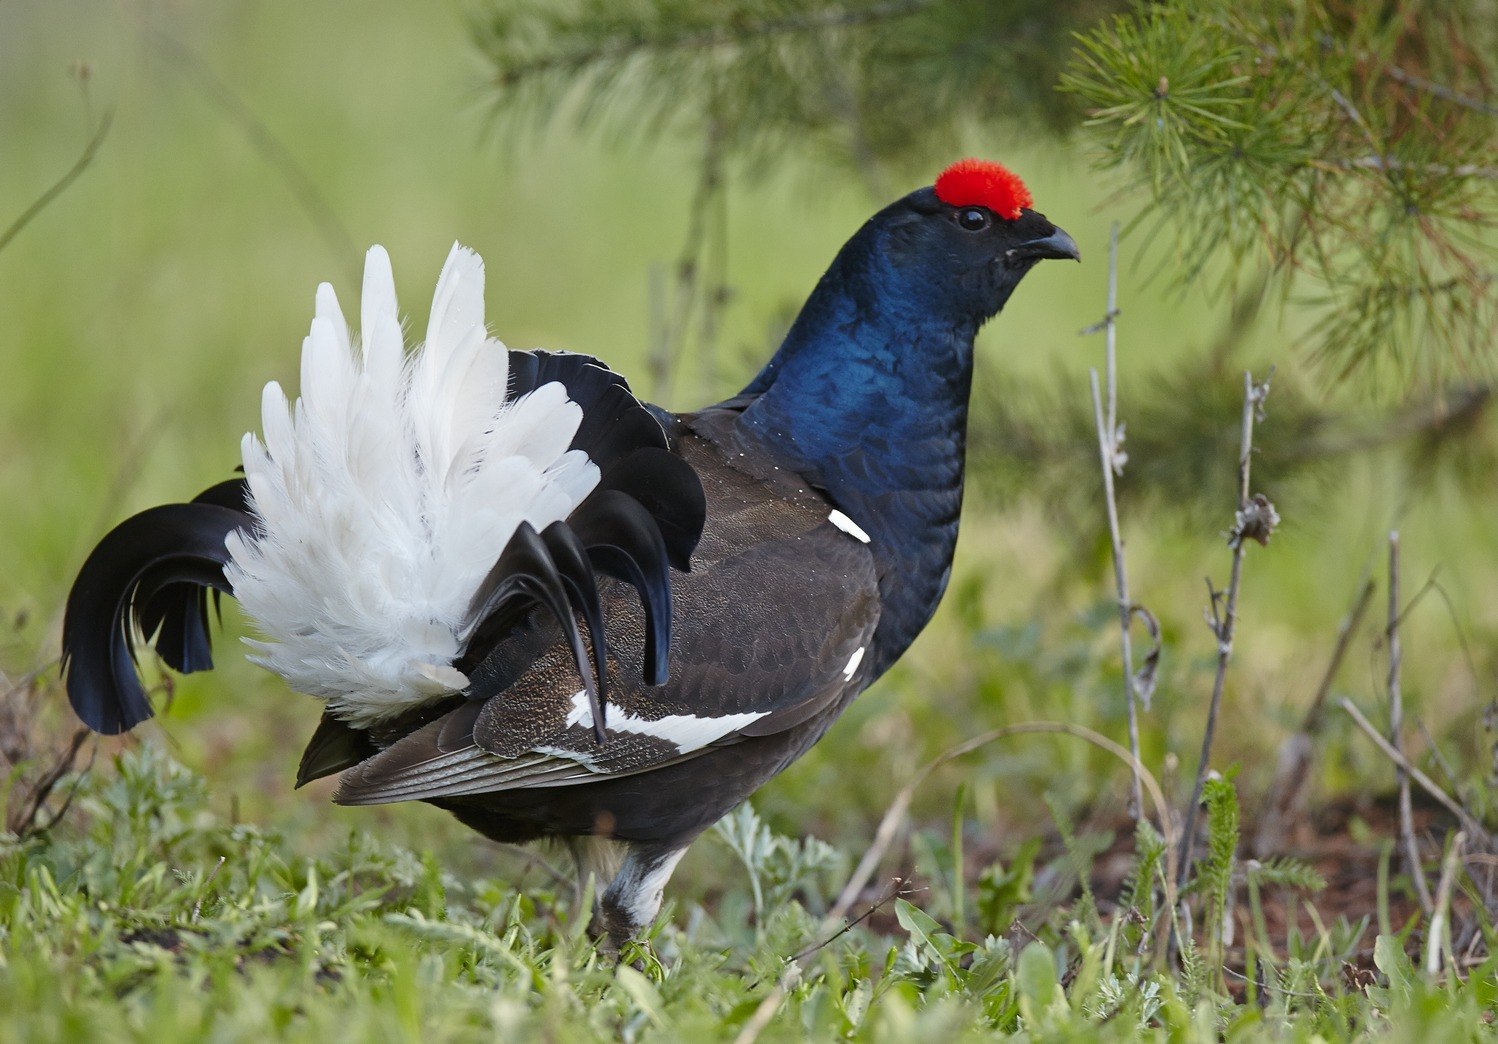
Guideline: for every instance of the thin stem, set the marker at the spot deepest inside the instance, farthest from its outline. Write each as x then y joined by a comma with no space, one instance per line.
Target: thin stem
1396,727
1223,626
658,360
1345,632
1293,770
896,889
894,816
1107,436
59,186
1439,939
1110,335
1430,786
690,278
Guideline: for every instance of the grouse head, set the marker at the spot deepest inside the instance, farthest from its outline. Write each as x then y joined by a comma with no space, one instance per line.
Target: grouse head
957,249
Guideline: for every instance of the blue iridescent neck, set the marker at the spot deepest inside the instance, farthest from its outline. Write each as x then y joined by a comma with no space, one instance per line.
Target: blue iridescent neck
868,399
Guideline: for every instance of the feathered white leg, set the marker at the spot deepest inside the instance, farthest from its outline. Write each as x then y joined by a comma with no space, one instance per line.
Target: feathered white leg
632,900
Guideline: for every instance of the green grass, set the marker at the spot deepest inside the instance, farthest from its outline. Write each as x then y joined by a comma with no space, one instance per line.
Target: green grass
153,918
141,312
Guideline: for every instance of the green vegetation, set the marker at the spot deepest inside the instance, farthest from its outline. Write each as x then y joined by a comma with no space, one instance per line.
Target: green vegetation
153,918
188,893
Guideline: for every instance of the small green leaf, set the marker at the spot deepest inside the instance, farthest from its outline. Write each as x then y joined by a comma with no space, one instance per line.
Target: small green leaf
1036,974
917,922
1389,957
306,900
641,991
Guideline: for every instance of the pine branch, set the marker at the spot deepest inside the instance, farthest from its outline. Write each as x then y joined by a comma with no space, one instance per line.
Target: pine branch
1262,134
654,36
869,84
1440,90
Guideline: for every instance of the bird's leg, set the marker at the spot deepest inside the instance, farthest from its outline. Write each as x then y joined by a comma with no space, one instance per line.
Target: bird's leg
595,857
580,870
633,898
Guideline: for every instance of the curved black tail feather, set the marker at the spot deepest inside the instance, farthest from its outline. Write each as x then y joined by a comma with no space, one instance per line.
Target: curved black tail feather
178,613
644,518
524,576
153,570
624,542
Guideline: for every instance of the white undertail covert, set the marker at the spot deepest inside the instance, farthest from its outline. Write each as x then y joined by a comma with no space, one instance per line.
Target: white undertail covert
386,492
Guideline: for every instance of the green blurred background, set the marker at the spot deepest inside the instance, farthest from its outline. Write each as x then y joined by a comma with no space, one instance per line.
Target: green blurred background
257,149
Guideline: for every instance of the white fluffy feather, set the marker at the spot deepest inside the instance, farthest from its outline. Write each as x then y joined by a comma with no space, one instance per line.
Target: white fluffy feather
386,492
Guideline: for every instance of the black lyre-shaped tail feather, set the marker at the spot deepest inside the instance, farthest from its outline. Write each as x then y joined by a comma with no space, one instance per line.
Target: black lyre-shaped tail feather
624,542
644,517
525,576
177,614
154,571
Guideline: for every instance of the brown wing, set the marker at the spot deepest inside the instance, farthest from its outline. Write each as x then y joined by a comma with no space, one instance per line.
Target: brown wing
769,628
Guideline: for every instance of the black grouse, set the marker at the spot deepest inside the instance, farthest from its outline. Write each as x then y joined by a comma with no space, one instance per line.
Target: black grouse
529,598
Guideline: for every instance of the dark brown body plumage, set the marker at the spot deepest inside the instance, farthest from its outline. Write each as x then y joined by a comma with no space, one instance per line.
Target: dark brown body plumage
777,603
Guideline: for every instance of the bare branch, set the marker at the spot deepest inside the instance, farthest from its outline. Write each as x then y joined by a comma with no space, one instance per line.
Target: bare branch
1440,90
1112,458
1469,822
28,820
1255,518
897,887
694,289
1293,767
1345,630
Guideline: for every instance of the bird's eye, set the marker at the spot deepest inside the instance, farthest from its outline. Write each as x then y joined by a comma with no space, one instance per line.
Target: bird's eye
973,219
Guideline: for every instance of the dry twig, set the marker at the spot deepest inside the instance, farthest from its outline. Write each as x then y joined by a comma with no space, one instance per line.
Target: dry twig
894,816
32,762
1469,822
699,288
897,887
1113,458
1255,519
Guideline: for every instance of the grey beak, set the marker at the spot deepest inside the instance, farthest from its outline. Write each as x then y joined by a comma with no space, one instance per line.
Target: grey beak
1058,245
